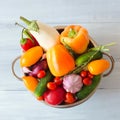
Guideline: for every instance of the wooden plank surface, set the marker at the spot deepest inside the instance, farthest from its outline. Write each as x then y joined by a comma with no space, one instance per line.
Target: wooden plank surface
100,17
22,106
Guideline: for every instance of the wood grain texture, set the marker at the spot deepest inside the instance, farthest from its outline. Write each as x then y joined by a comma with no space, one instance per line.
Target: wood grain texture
22,106
100,17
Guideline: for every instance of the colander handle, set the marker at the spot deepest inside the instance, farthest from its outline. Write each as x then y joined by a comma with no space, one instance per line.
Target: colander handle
13,68
112,64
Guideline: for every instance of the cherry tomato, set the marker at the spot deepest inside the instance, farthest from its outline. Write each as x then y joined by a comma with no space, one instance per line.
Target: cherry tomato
51,85
87,81
40,98
58,80
83,73
41,74
69,98
90,75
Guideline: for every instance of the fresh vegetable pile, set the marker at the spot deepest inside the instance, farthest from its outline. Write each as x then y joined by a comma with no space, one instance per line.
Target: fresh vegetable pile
60,68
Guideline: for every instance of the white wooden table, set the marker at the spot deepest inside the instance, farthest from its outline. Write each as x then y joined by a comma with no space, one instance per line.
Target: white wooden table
100,17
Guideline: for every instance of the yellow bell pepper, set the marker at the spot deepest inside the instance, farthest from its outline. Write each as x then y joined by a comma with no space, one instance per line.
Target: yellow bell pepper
31,56
76,37
59,60
30,83
97,67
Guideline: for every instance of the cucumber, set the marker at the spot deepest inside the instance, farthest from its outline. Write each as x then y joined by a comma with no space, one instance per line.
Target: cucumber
88,56
86,90
42,85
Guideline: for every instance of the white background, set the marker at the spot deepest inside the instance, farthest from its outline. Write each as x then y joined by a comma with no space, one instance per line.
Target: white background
100,17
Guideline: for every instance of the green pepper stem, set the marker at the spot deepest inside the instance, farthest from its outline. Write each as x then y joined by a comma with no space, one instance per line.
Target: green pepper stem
28,22
22,33
27,33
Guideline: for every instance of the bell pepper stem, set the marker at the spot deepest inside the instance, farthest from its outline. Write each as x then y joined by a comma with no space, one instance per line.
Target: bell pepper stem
28,22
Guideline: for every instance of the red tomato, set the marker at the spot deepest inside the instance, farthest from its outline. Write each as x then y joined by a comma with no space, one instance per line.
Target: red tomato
69,98
55,97
83,73
40,98
87,81
51,85
90,75
58,80
41,74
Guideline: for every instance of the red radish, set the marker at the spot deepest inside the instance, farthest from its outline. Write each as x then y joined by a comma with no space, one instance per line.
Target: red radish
55,97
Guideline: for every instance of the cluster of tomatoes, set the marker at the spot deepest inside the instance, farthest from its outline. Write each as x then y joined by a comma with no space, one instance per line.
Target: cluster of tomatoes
86,77
56,85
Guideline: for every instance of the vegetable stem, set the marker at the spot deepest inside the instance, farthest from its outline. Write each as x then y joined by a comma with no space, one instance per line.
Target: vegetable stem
26,32
32,25
28,22
72,33
103,48
20,25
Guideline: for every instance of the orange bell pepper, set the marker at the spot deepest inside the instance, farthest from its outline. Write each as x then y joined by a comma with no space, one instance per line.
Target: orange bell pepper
76,37
59,60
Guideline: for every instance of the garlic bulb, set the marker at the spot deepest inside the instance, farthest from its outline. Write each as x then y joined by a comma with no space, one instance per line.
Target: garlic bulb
72,83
